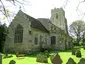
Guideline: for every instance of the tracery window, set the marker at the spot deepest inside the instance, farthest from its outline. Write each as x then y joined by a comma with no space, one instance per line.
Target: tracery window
18,36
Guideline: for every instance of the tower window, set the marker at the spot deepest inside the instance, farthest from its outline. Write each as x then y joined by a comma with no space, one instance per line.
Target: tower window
56,16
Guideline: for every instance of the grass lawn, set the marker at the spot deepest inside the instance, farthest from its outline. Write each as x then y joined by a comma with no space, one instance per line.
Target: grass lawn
32,59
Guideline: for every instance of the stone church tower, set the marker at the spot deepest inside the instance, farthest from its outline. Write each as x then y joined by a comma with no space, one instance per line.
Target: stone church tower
58,18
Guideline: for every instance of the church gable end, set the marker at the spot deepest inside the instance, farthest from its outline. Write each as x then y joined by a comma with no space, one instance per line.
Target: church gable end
35,23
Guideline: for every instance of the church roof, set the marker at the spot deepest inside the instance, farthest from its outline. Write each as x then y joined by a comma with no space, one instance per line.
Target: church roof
45,22
36,23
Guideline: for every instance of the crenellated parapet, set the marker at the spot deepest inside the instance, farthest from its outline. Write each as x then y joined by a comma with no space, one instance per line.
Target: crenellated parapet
58,18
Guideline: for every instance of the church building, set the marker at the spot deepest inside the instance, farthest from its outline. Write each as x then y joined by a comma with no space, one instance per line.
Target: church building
29,34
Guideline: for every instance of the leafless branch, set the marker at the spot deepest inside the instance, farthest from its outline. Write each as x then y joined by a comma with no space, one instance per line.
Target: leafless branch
4,10
77,9
15,3
65,4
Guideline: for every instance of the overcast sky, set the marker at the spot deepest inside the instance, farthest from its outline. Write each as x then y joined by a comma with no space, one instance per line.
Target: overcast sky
42,9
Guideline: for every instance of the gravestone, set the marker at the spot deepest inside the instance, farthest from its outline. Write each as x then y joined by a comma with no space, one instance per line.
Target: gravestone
0,58
71,61
57,59
82,61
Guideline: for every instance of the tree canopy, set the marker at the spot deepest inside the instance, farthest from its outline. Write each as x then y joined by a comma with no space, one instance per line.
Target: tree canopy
77,29
3,33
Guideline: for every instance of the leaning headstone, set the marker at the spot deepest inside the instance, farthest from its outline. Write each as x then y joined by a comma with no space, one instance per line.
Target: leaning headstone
71,61
0,58
57,59
82,61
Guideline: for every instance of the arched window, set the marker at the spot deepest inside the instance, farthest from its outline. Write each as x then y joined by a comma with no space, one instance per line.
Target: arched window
36,40
53,40
18,36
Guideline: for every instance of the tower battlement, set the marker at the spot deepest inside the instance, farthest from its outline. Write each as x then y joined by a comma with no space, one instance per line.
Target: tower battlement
58,18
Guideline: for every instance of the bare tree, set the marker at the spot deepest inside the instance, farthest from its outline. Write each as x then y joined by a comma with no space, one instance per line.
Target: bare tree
18,3
78,8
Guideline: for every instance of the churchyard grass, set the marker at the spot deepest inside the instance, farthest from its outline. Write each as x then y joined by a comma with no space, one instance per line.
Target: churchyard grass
65,55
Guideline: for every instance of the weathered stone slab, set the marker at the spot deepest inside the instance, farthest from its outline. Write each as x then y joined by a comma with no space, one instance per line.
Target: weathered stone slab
57,59
71,61
82,61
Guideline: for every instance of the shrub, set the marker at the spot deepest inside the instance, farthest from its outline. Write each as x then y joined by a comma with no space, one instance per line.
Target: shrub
42,58
17,53
82,61
84,46
71,61
81,43
73,52
46,53
12,62
7,56
78,53
52,57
